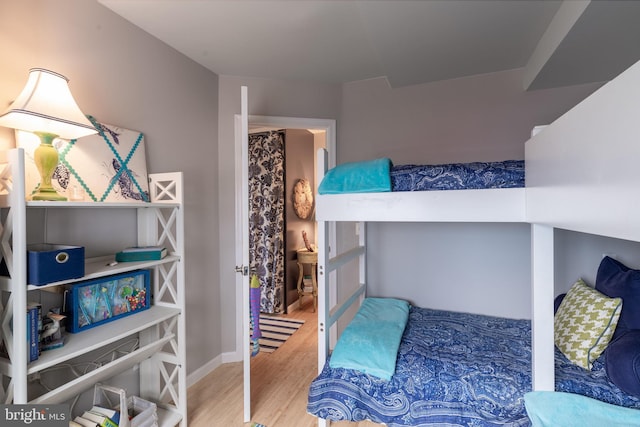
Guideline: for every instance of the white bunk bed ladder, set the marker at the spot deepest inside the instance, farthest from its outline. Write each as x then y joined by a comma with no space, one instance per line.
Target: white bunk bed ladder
329,308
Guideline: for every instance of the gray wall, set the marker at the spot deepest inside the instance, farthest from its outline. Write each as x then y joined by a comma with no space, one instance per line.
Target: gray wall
123,76
578,255
480,268
478,118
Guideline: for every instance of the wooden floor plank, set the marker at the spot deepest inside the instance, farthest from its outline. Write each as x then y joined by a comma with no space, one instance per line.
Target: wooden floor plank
279,385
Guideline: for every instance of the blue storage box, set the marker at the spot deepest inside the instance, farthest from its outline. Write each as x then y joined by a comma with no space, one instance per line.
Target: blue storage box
98,301
47,263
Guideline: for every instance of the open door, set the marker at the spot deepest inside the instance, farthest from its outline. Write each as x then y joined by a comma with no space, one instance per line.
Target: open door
242,235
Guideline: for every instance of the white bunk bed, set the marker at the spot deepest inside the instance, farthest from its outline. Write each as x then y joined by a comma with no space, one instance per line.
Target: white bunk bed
582,175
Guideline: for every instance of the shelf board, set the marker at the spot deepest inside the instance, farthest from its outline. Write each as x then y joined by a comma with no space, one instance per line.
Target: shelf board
95,268
80,384
100,205
83,342
101,267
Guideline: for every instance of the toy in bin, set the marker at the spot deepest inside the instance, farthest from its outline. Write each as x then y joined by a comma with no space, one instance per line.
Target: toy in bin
103,300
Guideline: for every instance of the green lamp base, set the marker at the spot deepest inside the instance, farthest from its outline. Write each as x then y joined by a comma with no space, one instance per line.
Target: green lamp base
48,194
46,160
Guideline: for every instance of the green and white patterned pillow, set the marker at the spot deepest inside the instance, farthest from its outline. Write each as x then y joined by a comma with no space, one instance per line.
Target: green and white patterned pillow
584,323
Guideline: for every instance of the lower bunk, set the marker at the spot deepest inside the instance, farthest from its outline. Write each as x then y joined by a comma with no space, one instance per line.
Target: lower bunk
452,369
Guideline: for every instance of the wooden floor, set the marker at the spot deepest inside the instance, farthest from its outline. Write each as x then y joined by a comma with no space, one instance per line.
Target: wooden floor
279,385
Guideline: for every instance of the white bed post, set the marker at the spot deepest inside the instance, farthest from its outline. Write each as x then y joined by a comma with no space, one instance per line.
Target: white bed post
542,294
323,280
323,303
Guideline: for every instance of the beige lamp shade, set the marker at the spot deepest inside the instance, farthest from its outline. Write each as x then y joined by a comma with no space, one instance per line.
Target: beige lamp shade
46,105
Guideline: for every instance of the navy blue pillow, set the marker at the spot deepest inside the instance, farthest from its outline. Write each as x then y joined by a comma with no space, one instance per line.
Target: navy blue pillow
557,302
622,361
614,279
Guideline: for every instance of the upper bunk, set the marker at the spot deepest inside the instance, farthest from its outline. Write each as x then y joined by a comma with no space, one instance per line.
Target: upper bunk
462,205
581,175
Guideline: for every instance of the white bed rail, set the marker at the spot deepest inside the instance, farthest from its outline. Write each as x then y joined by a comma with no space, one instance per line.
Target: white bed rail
486,205
582,170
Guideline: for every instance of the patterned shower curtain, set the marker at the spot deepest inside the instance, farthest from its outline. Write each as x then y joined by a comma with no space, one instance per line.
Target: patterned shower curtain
266,217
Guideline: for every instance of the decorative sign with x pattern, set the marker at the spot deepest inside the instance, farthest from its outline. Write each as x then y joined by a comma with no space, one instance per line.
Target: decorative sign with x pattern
107,167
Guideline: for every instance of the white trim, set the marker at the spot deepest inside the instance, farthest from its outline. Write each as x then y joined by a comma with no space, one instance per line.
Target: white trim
205,370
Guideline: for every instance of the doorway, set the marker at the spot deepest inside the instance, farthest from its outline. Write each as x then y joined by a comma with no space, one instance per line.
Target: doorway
323,132
283,162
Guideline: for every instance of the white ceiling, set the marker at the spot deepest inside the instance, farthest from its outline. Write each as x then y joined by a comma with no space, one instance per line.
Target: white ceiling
408,42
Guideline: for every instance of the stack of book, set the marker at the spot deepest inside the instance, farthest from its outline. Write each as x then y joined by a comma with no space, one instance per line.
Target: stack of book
307,283
97,416
141,253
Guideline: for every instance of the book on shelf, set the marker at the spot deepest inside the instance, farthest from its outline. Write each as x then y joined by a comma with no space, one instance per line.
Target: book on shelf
99,419
85,422
33,335
112,414
141,253
143,248
52,345
39,307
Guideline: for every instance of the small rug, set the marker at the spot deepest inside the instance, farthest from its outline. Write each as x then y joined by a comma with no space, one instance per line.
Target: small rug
275,331
257,425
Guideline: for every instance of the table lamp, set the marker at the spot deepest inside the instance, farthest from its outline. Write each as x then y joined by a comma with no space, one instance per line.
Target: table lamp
46,107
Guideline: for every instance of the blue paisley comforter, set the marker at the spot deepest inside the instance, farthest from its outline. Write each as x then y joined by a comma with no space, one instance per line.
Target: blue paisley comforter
458,176
454,369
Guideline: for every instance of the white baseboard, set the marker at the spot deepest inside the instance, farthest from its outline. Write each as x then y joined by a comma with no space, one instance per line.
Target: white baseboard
211,366
203,371
231,357
293,306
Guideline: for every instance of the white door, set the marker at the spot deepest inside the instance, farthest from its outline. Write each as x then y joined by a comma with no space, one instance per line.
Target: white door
242,235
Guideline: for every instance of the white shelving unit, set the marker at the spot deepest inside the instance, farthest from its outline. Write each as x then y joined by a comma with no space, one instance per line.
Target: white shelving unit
160,330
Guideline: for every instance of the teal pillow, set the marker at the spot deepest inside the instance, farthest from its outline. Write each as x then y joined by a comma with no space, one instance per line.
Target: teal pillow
371,340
